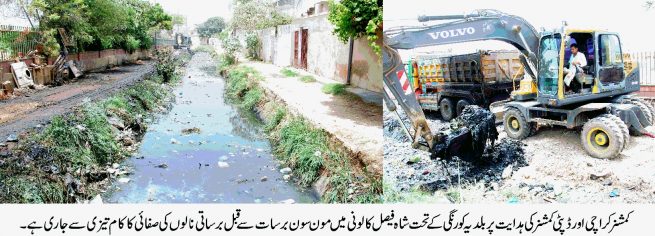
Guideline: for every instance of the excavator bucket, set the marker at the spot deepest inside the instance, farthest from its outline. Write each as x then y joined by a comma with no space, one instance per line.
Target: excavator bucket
468,137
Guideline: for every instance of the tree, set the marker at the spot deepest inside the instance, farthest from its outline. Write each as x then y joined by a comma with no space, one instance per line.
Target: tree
178,19
211,27
256,14
356,18
101,24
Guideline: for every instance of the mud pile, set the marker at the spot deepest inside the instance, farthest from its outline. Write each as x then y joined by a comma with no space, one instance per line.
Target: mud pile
430,175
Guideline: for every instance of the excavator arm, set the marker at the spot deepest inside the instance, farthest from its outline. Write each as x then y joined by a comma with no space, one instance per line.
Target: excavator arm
478,26
481,25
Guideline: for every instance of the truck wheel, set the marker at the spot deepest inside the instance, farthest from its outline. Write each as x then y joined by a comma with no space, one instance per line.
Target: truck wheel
447,109
461,104
516,125
602,138
622,126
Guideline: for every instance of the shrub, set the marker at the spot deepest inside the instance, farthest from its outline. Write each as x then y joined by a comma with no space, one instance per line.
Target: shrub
334,88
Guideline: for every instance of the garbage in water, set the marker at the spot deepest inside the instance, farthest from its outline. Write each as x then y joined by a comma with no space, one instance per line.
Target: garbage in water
12,138
232,165
223,164
193,130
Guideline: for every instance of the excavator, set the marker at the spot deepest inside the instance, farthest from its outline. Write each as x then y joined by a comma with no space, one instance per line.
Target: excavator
598,97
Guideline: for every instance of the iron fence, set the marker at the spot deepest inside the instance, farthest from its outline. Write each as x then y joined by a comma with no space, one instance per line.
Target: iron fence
646,62
17,40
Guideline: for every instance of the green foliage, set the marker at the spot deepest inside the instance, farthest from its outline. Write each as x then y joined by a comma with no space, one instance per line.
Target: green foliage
28,189
230,46
102,24
356,18
167,65
274,121
288,72
302,147
252,46
251,98
178,19
334,88
307,79
211,27
256,14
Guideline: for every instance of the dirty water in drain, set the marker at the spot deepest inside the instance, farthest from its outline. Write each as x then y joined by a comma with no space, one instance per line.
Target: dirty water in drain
205,150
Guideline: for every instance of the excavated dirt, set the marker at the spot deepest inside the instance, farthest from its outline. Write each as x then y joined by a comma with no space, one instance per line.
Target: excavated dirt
409,168
548,167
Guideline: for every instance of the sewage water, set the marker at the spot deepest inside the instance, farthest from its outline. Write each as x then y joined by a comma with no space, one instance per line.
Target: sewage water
228,161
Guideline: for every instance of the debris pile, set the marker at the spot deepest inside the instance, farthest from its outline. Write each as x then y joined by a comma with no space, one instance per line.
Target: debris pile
410,168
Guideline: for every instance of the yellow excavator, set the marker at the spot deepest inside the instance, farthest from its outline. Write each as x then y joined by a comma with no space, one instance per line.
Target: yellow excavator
596,97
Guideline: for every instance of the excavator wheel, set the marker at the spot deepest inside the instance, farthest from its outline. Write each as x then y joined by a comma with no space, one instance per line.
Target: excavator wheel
516,125
645,110
461,104
649,111
602,138
622,126
446,107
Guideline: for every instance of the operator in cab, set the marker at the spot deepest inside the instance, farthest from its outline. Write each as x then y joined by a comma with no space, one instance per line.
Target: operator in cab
576,62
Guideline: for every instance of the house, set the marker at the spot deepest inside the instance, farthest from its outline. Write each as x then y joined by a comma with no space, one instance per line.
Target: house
308,43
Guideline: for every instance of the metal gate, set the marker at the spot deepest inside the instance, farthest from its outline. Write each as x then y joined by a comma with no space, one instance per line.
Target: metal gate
646,63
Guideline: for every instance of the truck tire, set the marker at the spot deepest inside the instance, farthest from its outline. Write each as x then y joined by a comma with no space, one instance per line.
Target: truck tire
622,126
446,107
516,125
461,104
602,138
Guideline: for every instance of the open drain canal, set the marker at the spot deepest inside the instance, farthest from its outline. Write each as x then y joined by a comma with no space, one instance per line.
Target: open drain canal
205,150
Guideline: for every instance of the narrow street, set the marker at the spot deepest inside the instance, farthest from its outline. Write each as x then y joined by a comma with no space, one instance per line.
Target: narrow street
205,150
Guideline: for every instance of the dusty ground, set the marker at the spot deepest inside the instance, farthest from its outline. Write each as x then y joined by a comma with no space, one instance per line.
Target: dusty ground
357,124
37,106
558,170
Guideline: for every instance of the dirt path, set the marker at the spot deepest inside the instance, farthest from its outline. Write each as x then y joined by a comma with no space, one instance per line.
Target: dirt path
357,124
38,106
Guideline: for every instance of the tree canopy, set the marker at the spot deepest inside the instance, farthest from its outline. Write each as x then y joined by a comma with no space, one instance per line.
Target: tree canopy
211,27
103,24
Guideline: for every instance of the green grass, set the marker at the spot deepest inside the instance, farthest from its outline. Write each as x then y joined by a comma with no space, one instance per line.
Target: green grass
307,79
277,117
289,72
334,89
302,148
299,145
392,195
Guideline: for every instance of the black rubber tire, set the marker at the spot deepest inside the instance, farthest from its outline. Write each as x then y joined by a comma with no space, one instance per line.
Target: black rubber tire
461,104
644,108
447,109
614,135
647,108
524,130
622,126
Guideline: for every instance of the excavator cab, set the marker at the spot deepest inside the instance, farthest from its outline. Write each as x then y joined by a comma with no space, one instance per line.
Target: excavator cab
603,75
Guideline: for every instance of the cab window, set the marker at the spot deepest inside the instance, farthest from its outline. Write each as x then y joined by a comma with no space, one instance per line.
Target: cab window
609,50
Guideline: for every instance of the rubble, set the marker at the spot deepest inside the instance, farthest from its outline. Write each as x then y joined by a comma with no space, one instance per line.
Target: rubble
286,170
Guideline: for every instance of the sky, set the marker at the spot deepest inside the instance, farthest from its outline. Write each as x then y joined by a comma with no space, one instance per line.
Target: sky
629,18
197,11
